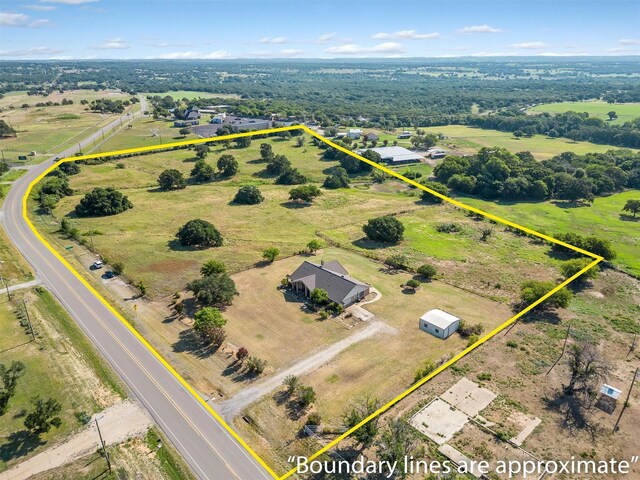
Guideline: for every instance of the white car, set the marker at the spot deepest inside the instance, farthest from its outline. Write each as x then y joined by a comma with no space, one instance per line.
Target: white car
97,265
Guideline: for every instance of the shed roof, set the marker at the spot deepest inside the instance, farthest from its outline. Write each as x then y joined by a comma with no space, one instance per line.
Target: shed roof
438,318
394,154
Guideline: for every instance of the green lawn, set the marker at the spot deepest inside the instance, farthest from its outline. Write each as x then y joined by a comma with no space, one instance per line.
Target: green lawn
595,108
602,219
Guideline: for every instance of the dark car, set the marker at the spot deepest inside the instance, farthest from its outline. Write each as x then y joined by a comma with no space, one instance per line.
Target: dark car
109,274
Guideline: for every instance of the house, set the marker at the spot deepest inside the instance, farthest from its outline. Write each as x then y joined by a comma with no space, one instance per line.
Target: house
192,113
405,134
219,118
438,323
369,137
332,277
354,133
244,124
396,155
185,123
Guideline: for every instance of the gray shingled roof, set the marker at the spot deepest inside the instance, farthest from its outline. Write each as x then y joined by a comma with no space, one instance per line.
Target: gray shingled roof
330,276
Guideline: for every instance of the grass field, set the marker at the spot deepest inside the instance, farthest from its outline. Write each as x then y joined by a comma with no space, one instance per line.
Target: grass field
142,134
595,108
604,218
61,364
48,129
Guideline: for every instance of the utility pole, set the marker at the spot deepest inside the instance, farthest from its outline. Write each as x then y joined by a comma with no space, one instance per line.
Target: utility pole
26,312
7,287
564,347
626,402
103,445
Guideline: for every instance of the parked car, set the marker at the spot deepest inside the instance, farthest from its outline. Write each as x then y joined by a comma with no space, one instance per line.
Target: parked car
109,274
97,265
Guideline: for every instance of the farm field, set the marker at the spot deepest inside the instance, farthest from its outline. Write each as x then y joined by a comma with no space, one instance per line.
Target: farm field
603,218
595,108
49,129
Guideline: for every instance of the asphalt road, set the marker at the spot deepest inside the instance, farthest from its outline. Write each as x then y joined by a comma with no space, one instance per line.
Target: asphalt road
211,452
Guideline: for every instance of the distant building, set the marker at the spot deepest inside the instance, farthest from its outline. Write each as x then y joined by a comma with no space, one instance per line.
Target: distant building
331,277
371,137
354,133
396,155
243,124
436,153
438,323
405,134
219,118
192,113
185,123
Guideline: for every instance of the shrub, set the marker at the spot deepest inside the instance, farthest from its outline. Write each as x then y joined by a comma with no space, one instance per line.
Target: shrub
211,267
305,193
203,172
291,176
306,395
397,261
465,330
427,271
413,284
270,253
241,354
199,233
314,419
471,340
117,267
573,266
425,370
319,296
248,195
533,290
384,229
484,376
256,365
102,202
448,227
171,179
436,187
338,179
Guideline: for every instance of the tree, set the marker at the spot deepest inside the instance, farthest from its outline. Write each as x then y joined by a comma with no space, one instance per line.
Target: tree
319,296
304,193
306,395
413,283
270,253
203,172
248,195
201,151
228,165
427,271
532,290
69,168
9,376
48,202
57,186
184,131
553,133
266,151
214,290
612,115
102,202
277,164
397,261
299,141
44,415
338,179
171,179
366,434
241,354
314,245
199,233
588,369
256,365
573,266
632,206
436,187
212,267
208,317
243,142
518,134
397,444
292,383
291,176
384,229
214,336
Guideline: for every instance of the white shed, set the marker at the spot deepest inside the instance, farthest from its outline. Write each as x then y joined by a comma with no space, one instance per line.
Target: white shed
438,323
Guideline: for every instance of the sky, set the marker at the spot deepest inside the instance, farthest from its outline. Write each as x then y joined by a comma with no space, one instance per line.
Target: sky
212,29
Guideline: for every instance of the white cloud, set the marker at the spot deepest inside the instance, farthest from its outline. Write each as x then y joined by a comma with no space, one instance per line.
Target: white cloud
491,54
273,40
39,8
529,45
20,20
562,54
193,55
284,53
630,41
69,2
479,29
325,38
113,44
28,52
353,49
172,45
406,35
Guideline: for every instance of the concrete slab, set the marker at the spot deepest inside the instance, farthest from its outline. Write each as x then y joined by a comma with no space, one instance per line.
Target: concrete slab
439,421
468,397
460,459
529,423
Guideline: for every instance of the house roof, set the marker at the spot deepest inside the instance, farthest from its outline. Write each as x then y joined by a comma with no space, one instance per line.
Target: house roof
395,154
330,276
439,319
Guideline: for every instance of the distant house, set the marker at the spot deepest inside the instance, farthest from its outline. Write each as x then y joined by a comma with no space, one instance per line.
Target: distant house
185,123
332,277
219,118
438,323
192,113
396,155
369,137
244,124
354,133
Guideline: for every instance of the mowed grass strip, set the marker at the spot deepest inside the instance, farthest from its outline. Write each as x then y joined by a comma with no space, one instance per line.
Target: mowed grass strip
595,108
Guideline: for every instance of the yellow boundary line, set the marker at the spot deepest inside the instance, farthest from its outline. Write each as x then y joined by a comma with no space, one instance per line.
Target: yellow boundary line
389,404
